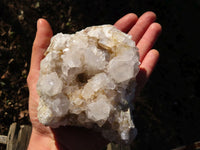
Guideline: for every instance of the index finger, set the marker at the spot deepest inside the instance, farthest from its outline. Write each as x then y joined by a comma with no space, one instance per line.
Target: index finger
142,25
127,22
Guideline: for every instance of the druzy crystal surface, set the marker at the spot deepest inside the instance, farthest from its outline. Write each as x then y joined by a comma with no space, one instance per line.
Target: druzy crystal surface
88,79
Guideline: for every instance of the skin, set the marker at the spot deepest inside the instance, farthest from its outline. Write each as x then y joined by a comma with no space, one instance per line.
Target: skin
144,32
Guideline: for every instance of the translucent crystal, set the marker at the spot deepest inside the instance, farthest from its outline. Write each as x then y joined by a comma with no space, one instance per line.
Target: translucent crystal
97,82
50,84
99,110
88,79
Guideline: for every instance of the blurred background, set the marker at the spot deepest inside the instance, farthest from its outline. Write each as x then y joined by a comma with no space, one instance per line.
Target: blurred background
167,111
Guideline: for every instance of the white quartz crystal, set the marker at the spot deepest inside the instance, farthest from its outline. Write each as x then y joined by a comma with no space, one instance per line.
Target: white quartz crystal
88,79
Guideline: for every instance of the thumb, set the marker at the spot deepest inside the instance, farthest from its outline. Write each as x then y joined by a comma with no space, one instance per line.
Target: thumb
41,42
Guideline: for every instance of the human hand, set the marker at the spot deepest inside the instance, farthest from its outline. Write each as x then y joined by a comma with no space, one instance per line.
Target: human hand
144,32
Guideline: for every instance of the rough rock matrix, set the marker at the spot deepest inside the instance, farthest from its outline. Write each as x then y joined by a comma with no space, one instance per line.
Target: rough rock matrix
88,79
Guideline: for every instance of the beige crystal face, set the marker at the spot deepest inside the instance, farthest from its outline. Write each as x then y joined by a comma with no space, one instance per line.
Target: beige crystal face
88,79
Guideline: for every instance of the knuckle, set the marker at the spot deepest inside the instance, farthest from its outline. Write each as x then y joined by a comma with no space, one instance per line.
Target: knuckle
29,78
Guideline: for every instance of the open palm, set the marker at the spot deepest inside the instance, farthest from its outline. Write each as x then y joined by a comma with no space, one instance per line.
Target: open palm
144,32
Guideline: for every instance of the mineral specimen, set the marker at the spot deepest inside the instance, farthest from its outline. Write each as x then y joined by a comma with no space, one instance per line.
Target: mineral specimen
88,79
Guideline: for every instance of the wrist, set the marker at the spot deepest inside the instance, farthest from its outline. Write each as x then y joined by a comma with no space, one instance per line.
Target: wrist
41,142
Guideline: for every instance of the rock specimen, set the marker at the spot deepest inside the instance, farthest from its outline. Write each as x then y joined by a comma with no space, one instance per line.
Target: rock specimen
88,79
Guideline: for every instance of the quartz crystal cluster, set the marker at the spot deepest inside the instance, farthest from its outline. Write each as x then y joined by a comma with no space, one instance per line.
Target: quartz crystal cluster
88,79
